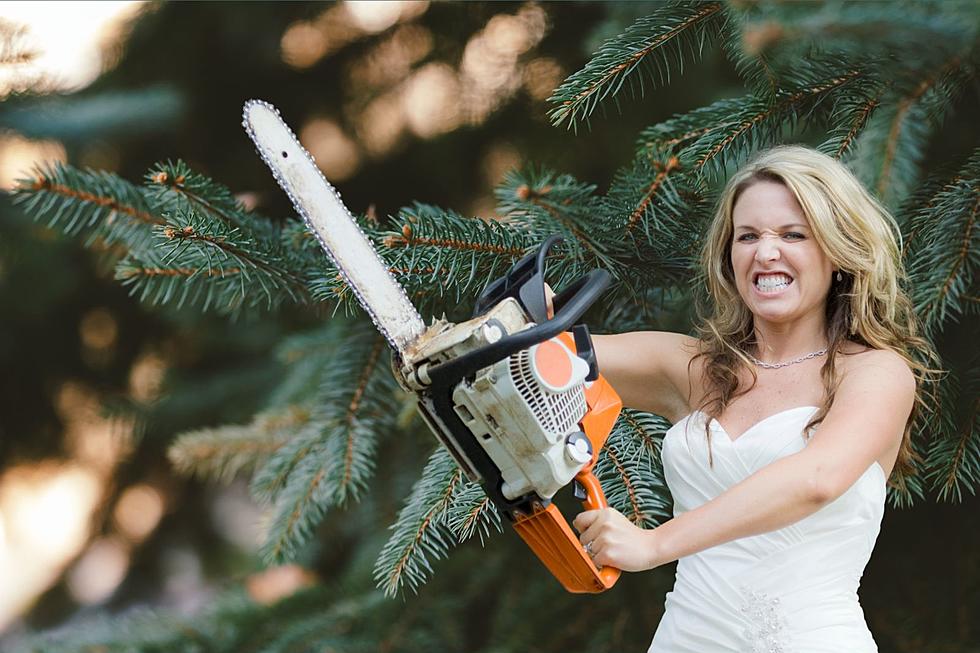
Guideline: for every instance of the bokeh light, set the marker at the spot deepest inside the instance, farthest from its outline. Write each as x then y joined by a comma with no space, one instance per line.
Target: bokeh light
68,39
138,511
336,154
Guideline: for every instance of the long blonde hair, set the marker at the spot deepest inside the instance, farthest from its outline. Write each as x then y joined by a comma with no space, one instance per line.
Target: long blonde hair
868,306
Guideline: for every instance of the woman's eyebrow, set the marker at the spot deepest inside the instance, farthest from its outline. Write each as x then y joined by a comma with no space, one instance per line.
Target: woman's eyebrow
795,225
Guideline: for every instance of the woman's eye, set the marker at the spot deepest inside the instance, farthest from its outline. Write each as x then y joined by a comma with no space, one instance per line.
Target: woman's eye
793,235
745,237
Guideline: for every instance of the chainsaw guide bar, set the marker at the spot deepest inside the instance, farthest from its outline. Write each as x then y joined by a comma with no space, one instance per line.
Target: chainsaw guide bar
324,212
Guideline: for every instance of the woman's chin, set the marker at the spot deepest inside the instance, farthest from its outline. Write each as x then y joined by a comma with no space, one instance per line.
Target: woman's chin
773,311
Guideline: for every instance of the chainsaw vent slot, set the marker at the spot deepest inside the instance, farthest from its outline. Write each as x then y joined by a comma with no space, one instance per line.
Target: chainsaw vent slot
558,413
464,413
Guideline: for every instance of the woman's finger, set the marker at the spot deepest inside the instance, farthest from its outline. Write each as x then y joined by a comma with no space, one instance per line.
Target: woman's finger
593,529
584,519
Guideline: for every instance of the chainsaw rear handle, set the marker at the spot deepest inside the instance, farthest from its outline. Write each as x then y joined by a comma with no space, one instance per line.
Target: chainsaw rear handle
595,499
569,306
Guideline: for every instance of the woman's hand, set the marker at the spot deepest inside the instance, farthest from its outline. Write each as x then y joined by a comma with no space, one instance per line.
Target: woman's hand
616,541
548,300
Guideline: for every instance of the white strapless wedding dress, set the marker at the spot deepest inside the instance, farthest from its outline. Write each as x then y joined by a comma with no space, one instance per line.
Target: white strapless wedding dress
792,590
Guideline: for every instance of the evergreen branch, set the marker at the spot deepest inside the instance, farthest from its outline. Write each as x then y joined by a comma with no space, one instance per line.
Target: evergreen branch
102,205
635,512
961,468
178,188
438,254
231,269
45,185
312,619
901,111
662,171
333,461
649,43
297,512
943,250
472,512
370,367
673,134
630,471
542,203
131,271
967,246
660,214
221,242
224,452
888,152
270,479
407,239
785,104
953,458
885,31
860,119
849,118
180,180
420,530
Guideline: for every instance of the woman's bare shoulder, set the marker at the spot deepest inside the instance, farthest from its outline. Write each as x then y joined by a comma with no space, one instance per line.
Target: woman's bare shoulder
860,362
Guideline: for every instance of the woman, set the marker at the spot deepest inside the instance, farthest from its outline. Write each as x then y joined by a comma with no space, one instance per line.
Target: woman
790,412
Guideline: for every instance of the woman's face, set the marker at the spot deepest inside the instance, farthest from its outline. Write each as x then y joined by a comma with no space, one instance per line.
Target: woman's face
780,271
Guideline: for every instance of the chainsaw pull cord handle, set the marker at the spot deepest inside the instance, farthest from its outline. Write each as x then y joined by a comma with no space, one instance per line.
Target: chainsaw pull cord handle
595,499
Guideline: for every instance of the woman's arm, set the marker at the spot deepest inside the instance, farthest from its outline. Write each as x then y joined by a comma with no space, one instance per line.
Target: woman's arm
648,369
866,420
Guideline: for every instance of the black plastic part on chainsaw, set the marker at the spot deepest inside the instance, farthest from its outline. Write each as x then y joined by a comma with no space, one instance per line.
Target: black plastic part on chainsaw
585,350
524,282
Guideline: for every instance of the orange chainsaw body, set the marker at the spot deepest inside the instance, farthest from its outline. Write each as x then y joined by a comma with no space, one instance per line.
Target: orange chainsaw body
547,532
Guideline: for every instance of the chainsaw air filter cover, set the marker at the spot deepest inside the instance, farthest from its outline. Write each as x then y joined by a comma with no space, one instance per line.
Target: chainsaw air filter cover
525,412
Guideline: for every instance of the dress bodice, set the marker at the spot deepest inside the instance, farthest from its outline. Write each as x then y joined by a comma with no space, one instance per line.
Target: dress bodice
792,589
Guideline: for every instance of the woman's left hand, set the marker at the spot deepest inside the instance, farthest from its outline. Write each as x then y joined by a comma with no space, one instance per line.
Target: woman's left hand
616,541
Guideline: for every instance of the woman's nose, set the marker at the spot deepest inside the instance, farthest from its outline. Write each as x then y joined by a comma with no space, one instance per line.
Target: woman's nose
767,249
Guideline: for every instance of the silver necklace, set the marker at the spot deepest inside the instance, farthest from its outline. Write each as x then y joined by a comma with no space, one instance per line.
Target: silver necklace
773,366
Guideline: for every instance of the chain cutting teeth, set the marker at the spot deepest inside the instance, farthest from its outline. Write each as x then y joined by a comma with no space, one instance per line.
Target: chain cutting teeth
395,317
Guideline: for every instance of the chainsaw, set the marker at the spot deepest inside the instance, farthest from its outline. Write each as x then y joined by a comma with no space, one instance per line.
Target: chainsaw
514,394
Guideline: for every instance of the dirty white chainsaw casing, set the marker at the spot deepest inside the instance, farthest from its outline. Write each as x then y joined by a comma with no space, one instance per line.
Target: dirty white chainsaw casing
528,428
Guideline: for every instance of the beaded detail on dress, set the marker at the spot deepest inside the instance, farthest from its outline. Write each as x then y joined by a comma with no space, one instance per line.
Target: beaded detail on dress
765,629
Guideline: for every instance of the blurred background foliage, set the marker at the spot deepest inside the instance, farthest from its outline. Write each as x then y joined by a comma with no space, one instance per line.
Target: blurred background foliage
103,544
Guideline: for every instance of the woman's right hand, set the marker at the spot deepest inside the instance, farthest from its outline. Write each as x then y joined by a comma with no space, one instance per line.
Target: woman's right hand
549,295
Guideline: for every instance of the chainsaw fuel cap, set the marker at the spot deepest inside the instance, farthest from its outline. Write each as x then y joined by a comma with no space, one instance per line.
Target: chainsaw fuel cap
556,367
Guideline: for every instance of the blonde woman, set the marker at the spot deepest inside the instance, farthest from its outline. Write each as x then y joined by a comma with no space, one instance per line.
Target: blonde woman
791,411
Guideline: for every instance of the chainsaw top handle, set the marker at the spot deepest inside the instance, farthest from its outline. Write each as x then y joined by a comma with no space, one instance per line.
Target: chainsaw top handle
525,282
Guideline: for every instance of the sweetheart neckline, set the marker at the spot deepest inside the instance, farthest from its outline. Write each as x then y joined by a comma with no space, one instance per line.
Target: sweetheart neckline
755,425
732,442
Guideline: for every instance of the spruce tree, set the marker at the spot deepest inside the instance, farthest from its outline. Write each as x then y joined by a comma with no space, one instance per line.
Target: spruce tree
872,84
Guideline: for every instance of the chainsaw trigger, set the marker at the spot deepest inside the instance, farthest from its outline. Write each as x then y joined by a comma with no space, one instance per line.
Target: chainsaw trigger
578,491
